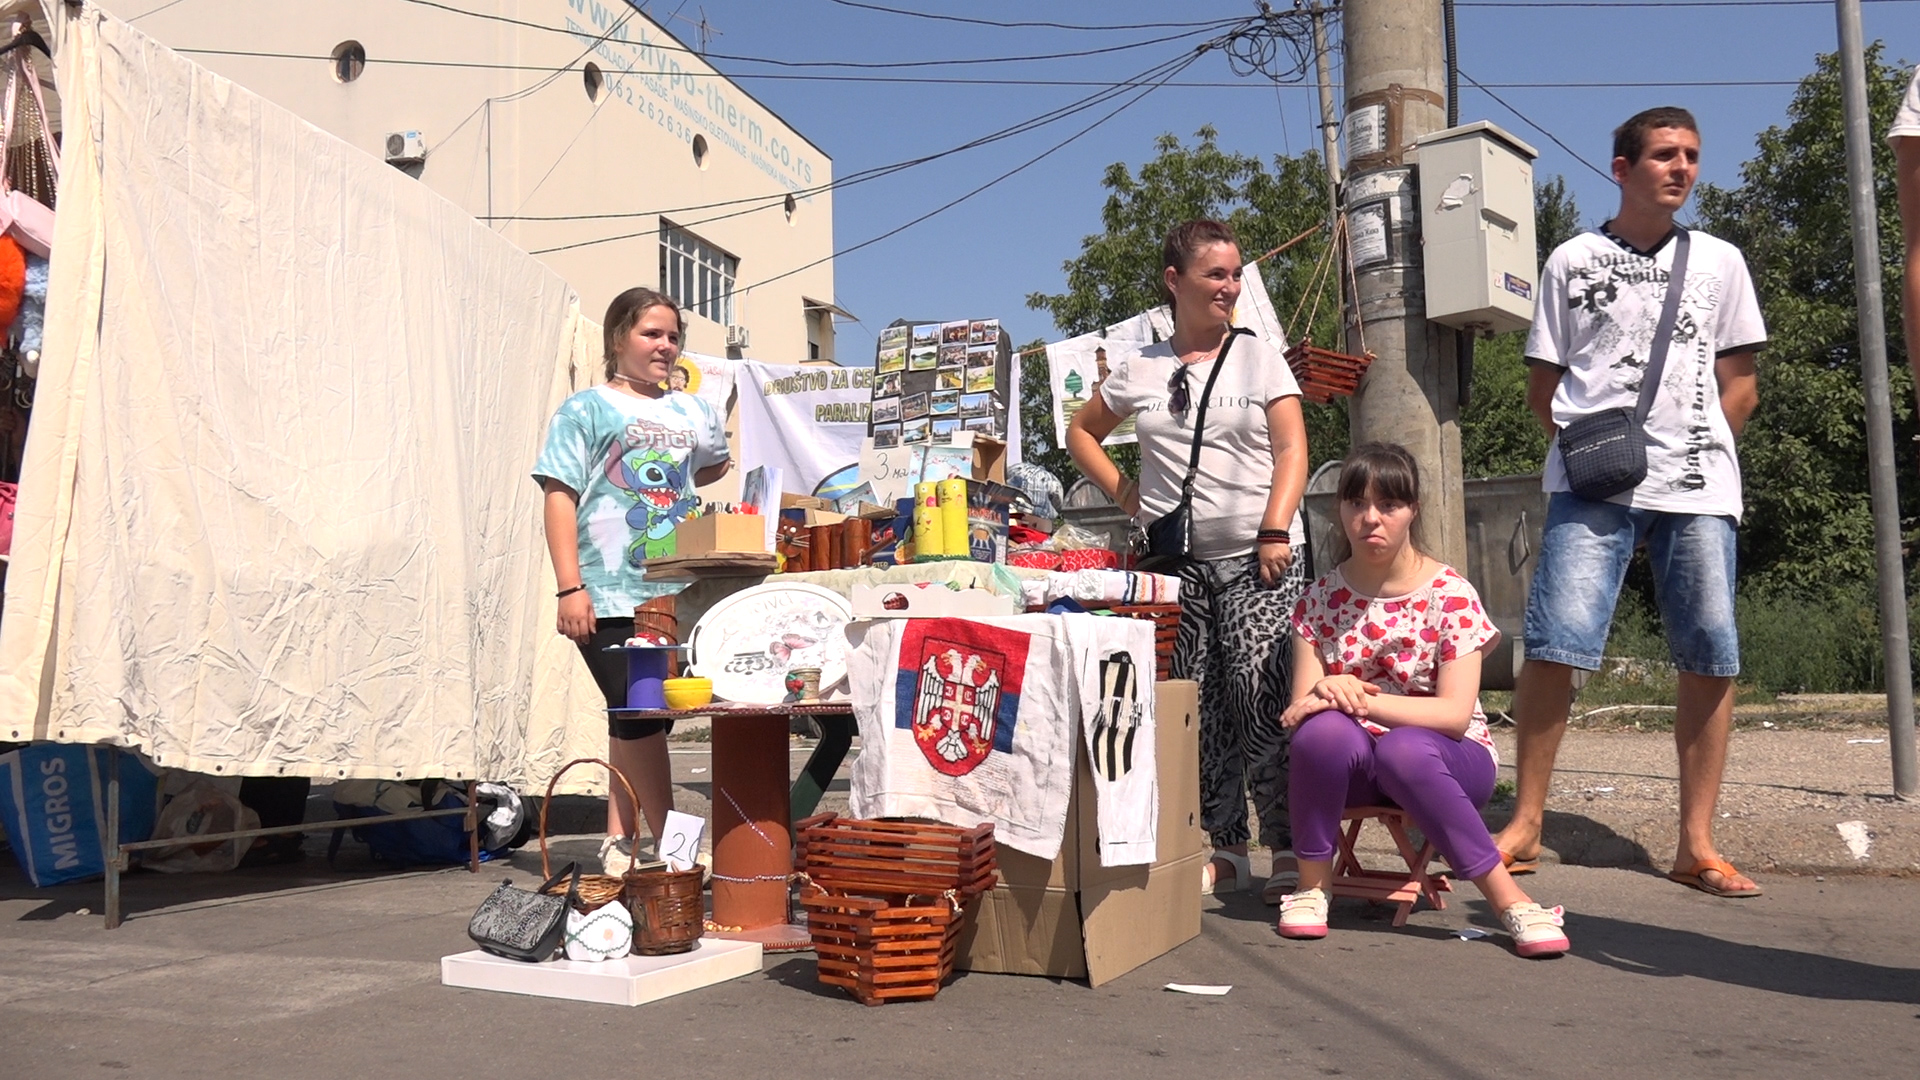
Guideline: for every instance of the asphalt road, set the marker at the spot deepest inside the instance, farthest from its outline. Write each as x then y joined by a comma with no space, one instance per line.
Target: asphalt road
296,972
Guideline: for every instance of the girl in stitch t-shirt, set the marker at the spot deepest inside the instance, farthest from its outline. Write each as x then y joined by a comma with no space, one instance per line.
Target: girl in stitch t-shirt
1386,673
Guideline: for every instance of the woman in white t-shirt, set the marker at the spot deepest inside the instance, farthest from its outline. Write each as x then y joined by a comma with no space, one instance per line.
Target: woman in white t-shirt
1240,582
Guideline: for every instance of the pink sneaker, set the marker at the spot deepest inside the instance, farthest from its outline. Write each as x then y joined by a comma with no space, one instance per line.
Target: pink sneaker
1536,930
1304,914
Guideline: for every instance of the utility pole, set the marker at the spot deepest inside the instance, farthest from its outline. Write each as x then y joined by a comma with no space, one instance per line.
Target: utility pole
1873,372
1395,71
1329,140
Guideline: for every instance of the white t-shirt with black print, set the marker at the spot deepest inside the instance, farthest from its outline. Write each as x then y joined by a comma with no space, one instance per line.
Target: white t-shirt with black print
1599,306
1906,122
1236,449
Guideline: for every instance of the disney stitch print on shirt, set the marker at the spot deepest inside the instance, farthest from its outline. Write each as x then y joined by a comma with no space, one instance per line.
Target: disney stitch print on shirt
631,460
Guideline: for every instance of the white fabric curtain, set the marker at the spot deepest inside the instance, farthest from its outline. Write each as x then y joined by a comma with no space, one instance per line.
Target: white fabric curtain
276,516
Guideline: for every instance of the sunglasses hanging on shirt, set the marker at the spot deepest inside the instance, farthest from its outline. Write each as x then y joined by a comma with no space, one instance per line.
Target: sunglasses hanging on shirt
1179,398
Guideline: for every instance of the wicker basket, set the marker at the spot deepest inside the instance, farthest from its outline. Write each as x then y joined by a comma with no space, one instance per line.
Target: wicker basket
669,912
1166,632
596,890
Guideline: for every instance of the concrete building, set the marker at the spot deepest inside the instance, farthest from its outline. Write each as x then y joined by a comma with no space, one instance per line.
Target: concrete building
583,131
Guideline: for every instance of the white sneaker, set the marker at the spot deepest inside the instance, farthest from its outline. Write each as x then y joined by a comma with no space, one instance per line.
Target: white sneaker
1536,930
617,855
1304,914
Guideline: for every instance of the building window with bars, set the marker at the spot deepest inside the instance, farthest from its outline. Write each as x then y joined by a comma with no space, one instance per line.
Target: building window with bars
696,274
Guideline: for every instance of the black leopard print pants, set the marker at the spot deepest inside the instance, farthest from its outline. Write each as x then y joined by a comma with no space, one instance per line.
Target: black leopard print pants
1235,639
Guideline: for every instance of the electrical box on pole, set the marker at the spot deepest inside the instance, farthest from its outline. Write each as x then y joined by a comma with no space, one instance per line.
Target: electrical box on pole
1476,223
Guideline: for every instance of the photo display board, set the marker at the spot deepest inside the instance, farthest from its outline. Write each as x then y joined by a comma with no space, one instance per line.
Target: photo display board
934,380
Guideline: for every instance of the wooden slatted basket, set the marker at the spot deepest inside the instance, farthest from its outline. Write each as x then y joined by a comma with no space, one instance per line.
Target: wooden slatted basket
1323,374
1166,632
886,901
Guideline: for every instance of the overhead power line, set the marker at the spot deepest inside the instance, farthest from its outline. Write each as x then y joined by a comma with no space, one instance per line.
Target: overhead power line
1608,177
1024,25
1195,29
1148,79
944,207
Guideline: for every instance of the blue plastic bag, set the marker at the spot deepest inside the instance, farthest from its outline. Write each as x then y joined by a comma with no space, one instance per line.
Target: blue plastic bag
53,799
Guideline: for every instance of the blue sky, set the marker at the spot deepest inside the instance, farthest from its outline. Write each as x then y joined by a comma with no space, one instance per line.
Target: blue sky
981,258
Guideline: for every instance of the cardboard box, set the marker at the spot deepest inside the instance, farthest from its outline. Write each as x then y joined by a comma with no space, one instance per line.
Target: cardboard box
711,534
812,511
933,601
989,459
1073,918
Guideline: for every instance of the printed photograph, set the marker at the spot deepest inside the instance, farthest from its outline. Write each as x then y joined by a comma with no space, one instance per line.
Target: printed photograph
913,431
946,403
955,332
923,358
984,424
894,335
971,405
985,332
886,436
944,429
886,410
926,335
982,356
950,379
887,385
913,407
953,355
892,358
979,380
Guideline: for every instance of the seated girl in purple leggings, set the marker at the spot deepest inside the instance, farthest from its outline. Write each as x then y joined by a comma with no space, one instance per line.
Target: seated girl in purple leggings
1386,673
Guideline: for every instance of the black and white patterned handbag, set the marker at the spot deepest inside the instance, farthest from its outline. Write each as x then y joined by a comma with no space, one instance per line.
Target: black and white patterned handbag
522,925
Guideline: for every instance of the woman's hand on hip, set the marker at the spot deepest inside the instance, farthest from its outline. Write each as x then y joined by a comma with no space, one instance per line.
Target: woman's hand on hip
576,617
1274,560
1348,693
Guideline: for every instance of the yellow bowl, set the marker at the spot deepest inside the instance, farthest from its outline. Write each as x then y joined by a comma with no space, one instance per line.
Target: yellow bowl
690,693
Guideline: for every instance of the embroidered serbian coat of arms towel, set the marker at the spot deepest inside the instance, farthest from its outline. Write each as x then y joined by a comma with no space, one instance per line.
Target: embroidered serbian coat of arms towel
967,721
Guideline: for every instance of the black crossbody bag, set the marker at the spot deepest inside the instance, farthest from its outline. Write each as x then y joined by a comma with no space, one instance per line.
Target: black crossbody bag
1606,453
1169,536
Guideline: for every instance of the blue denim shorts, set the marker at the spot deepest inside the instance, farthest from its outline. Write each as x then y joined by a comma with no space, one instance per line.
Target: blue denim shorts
1583,561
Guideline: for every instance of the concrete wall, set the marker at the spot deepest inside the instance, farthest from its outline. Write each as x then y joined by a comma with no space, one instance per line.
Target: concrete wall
553,151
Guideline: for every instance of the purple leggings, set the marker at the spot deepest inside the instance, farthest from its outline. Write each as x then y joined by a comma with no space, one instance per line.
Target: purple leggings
1441,783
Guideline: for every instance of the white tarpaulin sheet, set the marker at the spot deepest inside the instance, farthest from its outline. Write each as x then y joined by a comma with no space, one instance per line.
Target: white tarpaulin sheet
276,516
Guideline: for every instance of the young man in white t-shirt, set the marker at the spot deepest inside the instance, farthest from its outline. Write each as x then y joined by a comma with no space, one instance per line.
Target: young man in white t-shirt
1906,157
1590,347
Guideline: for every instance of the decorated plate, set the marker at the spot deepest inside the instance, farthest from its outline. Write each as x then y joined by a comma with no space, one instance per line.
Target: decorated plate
747,642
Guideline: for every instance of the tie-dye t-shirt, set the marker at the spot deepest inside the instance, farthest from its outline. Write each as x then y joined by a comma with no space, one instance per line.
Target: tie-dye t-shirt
1397,643
631,460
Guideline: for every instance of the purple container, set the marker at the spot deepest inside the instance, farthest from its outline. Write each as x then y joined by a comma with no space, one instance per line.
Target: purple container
646,672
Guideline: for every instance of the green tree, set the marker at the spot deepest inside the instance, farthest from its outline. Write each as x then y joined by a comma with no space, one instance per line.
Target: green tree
1116,275
1803,458
1556,217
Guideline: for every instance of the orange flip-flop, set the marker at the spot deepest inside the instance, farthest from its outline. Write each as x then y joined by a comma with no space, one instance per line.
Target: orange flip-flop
1692,878
1517,866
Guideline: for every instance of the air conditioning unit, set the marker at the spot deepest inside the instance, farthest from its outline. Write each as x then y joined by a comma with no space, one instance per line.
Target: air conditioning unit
736,336
406,148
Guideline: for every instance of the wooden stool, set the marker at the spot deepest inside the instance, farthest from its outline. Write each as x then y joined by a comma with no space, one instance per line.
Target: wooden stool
1401,887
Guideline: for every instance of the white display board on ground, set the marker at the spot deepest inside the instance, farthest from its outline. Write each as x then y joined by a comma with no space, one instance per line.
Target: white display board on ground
631,980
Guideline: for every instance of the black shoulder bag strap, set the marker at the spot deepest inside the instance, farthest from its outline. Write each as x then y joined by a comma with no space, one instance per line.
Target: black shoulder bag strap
1200,412
1663,333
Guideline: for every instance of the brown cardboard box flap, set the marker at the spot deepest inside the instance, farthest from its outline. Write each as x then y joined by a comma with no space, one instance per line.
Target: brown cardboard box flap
1072,918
